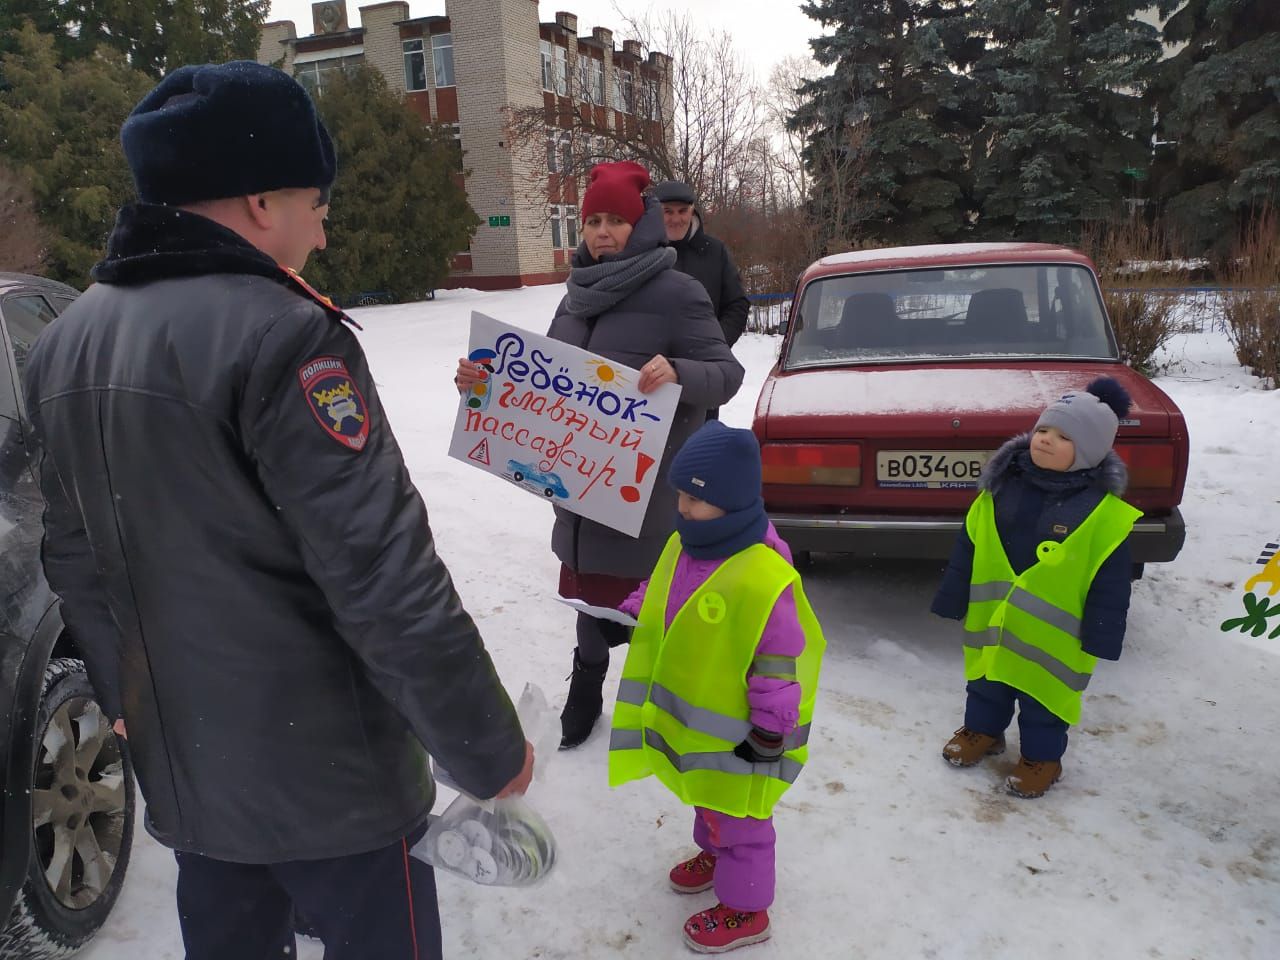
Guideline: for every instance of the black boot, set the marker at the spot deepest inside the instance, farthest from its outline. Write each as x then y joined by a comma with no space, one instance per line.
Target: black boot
582,709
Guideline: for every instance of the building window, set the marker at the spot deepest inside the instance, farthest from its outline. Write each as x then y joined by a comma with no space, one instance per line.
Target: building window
560,69
653,93
559,151
564,226
442,58
623,91
571,227
545,47
555,67
312,75
590,79
415,66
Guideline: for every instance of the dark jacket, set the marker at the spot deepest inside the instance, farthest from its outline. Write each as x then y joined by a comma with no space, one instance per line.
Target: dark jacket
707,260
669,315
1034,505
260,586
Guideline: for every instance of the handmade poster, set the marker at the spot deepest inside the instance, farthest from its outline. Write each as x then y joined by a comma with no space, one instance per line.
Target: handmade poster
564,424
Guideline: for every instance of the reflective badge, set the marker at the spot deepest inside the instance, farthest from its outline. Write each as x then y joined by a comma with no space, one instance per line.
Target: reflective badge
335,401
712,607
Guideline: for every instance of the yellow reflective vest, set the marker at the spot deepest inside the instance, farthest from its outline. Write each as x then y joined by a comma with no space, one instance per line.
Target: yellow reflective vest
682,702
1024,629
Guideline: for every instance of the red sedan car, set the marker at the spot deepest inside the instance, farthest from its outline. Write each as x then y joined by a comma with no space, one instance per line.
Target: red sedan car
902,370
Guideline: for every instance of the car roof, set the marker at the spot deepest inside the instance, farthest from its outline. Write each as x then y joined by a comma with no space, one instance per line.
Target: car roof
10,280
943,255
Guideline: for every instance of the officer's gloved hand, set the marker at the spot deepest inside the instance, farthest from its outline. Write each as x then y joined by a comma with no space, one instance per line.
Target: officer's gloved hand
761,746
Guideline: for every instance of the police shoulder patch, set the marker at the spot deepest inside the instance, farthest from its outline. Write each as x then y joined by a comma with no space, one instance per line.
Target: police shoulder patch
335,401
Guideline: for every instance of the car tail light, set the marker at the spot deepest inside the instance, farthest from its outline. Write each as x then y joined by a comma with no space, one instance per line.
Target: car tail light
812,464
1151,466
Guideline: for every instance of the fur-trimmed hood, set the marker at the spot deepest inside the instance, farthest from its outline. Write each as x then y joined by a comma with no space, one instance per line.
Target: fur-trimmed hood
1111,476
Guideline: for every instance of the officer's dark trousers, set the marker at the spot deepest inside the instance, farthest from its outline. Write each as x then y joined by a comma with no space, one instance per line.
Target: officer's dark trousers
370,906
1042,734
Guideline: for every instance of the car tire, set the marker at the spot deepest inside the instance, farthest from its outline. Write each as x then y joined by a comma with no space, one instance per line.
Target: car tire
517,476
548,492
87,800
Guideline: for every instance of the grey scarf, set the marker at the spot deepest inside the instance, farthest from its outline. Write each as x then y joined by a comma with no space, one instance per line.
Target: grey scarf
594,289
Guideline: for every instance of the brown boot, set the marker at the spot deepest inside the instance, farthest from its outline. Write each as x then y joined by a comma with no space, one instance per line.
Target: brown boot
1033,778
967,747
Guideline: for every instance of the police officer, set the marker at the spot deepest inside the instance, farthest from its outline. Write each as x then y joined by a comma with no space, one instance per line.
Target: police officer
242,558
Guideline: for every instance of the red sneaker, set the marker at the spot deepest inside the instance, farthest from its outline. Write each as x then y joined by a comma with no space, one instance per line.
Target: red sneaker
722,928
695,875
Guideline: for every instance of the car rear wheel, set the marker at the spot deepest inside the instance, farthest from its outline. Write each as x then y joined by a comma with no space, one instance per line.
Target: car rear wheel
518,476
82,803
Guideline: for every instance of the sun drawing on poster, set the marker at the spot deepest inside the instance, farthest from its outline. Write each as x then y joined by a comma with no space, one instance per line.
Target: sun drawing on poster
604,373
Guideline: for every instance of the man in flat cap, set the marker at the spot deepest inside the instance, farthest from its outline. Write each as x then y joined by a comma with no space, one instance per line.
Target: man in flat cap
243,561
704,258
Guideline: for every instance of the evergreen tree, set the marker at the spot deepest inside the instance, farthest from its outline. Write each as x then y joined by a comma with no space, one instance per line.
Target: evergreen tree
1218,100
61,131
153,35
891,123
398,211
1060,88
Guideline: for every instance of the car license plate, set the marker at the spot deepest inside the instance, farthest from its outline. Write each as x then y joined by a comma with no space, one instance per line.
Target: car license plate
931,469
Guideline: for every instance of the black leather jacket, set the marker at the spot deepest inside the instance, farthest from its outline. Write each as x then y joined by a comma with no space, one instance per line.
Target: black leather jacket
244,560
707,260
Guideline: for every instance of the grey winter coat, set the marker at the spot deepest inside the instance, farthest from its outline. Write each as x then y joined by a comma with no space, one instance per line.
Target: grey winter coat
245,562
670,315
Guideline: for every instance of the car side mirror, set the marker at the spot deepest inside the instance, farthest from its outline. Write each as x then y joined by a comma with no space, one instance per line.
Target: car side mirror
783,326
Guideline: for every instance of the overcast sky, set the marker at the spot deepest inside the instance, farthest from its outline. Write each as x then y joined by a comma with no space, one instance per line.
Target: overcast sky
764,31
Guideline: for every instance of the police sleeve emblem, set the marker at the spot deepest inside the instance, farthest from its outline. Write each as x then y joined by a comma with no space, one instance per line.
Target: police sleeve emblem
335,401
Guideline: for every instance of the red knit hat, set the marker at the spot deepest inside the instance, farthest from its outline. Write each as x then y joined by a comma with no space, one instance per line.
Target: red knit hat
616,188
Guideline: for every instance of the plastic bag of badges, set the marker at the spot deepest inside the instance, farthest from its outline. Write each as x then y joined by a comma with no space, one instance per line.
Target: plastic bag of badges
497,842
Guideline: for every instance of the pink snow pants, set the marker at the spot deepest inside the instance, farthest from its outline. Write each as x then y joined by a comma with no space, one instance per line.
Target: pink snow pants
743,847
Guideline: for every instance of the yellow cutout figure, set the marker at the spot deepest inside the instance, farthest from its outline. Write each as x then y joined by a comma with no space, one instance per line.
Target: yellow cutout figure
1269,574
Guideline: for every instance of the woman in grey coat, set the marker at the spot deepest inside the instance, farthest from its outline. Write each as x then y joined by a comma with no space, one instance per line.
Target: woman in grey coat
626,303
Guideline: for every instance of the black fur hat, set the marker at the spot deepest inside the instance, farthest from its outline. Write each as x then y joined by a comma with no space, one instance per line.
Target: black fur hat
225,130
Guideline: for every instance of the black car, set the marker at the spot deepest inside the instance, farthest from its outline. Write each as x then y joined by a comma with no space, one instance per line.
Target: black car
66,793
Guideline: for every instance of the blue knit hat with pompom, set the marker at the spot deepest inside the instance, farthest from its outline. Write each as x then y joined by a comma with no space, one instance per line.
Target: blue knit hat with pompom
1089,418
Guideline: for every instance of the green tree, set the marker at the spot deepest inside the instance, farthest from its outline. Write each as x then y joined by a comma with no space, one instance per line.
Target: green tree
1060,86
1218,100
891,124
398,211
153,35
61,131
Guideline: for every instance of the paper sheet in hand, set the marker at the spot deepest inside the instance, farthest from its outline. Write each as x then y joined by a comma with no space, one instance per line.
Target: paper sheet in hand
600,613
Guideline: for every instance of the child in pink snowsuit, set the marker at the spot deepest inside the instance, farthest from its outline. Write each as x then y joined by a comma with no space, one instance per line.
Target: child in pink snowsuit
717,474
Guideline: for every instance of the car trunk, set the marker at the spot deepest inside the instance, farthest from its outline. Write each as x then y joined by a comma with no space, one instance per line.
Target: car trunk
903,410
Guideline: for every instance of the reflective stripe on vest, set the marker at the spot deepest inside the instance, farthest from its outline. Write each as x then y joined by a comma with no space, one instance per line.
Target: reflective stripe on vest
1024,630
682,701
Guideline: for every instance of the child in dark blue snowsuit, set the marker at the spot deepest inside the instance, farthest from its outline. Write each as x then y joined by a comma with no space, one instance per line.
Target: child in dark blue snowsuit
1043,486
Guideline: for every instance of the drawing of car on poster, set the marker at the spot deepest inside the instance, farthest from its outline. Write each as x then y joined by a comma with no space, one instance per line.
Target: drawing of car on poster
548,484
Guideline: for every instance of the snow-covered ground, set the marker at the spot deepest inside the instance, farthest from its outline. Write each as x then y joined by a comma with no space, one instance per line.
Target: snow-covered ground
1162,840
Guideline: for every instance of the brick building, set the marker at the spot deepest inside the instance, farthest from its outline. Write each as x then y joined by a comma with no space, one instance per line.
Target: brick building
470,68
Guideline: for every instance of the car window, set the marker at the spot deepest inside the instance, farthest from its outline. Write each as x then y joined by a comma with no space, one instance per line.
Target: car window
24,317
62,303
1011,310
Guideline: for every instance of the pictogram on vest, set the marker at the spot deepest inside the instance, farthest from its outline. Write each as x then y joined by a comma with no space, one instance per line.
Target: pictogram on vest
682,702
1024,629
